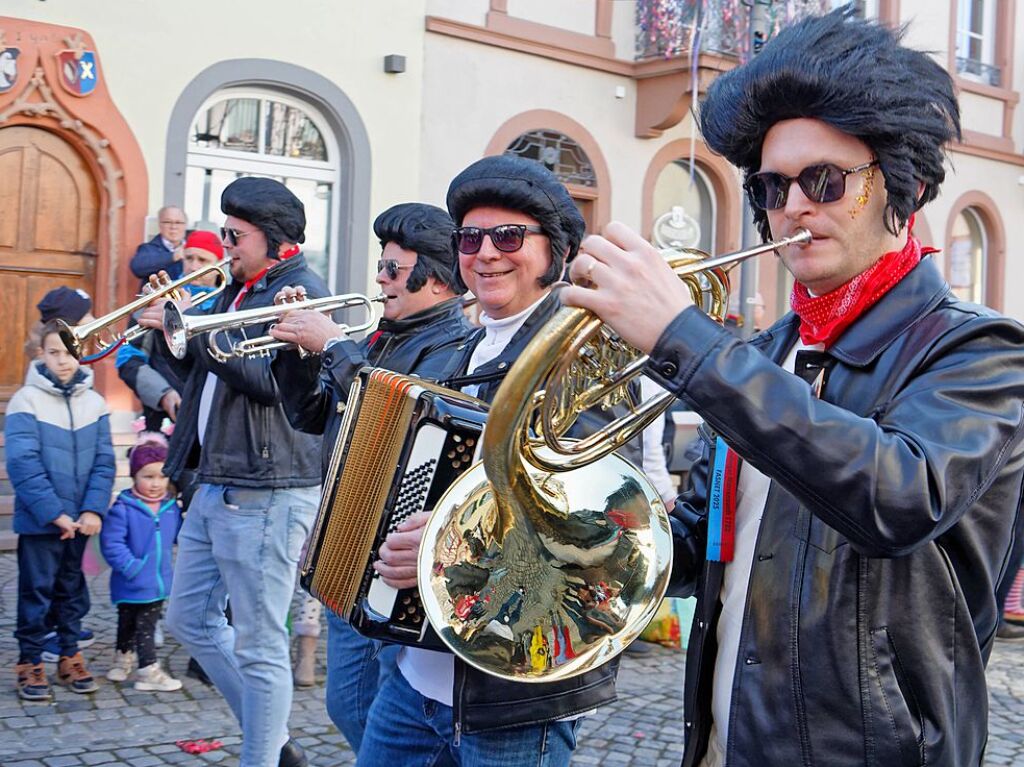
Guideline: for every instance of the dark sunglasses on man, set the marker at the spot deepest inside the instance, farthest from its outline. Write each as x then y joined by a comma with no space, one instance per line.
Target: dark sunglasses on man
820,183
508,238
391,267
231,236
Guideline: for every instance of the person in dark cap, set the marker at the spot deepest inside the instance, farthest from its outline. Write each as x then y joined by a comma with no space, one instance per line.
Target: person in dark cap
516,227
422,328
846,606
68,304
73,305
258,484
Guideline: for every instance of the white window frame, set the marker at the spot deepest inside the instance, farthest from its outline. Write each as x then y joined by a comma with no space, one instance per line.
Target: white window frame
987,36
259,163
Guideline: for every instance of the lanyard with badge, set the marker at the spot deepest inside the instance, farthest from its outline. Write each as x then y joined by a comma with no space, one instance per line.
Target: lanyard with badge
811,366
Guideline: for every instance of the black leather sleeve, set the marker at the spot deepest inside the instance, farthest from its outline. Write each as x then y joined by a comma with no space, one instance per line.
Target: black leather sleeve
890,479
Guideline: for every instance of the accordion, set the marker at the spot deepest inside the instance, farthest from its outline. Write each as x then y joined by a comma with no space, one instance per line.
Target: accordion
402,443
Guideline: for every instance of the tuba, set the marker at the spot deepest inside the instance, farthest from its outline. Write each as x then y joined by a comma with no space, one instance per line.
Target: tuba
551,555
99,331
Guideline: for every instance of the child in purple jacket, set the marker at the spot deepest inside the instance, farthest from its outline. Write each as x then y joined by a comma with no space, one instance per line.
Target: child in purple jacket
137,538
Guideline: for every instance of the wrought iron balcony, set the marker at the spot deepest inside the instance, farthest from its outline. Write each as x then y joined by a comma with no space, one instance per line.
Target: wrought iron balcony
977,70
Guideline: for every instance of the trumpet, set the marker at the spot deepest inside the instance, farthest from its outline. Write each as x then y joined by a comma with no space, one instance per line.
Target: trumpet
77,337
179,327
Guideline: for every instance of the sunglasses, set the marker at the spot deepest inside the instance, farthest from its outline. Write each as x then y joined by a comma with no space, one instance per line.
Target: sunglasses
232,236
508,238
392,267
825,182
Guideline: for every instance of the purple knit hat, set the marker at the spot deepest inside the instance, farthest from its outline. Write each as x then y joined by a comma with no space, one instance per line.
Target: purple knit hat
151,448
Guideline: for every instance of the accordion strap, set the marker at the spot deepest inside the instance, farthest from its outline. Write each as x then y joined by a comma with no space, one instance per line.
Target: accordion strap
457,382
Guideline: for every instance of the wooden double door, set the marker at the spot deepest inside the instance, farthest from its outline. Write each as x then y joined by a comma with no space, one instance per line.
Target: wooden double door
49,235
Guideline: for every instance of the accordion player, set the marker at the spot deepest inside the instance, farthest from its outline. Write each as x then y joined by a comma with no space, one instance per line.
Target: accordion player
402,443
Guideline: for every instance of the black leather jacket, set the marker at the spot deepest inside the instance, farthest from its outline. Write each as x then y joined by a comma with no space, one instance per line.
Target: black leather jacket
482,702
248,441
312,388
870,610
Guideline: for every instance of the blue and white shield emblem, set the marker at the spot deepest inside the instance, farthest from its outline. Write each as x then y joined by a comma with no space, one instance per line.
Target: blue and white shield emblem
78,71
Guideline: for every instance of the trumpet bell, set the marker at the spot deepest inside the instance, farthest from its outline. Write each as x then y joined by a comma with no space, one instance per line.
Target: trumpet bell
174,330
555,588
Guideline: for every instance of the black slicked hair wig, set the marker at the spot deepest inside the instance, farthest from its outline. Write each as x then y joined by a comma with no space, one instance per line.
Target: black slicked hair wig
855,76
508,181
268,205
426,230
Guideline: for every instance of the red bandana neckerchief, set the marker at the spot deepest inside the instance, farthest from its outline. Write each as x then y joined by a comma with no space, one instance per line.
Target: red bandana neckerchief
824,318
292,251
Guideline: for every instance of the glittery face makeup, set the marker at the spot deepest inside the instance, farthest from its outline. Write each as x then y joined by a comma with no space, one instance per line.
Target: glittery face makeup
861,201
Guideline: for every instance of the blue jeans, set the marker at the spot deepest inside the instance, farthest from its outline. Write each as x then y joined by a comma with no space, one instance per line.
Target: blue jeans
410,730
244,542
356,668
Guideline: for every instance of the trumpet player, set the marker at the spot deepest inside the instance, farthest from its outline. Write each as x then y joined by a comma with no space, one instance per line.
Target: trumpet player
845,603
156,378
258,485
422,327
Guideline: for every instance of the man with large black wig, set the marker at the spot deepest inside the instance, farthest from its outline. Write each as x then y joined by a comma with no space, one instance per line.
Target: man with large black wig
422,327
871,437
258,485
516,227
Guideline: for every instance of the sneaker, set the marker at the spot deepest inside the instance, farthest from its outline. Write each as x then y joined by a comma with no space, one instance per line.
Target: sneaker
32,682
71,671
124,662
51,650
1010,632
152,678
158,634
1015,617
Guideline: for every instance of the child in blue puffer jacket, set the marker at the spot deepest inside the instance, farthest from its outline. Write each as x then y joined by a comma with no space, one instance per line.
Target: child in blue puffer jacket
61,464
137,540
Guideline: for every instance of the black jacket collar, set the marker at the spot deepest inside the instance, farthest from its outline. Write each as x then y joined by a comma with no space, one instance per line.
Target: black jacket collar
415,321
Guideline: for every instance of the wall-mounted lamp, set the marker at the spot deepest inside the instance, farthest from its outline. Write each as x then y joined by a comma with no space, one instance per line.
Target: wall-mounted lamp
394,64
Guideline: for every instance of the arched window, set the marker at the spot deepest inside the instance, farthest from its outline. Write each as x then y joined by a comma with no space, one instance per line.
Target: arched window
566,159
968,248
684,204
256,132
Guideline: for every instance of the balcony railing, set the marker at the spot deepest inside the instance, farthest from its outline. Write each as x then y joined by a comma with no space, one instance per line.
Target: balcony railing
977,70
668,28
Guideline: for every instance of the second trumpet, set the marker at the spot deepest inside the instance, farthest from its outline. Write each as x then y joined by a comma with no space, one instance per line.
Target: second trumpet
180,327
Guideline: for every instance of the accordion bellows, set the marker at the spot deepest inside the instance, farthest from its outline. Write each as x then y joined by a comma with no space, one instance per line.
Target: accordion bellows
403,441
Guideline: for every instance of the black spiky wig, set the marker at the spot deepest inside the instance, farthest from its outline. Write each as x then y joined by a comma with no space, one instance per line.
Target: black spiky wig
426,230
855,76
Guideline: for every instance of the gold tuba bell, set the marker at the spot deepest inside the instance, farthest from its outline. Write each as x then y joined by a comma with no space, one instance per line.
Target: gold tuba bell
550,556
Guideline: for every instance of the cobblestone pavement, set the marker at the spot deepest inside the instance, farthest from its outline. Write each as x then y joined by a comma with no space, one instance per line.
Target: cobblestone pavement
118,725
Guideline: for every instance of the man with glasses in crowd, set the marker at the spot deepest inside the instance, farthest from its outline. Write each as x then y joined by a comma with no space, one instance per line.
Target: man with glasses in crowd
422,327
166,251
258,485
845,602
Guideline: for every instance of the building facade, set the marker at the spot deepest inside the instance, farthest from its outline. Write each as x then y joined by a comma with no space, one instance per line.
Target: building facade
105,116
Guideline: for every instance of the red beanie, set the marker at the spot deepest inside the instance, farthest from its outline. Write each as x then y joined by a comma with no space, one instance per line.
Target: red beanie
207,241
